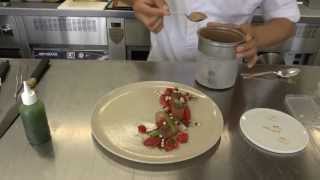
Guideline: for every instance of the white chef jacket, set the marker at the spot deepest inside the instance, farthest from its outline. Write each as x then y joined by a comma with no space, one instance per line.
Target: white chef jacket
177,41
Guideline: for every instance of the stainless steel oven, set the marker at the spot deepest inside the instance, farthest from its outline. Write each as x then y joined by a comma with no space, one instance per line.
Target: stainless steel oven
87,38
74,38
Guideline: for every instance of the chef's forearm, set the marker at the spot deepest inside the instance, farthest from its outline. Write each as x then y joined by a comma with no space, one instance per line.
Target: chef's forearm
273,32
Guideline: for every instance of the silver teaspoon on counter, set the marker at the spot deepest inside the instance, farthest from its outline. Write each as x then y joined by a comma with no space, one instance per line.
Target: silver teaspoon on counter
283,73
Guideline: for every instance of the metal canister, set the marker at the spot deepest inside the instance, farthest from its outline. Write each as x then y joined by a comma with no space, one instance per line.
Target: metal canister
216,59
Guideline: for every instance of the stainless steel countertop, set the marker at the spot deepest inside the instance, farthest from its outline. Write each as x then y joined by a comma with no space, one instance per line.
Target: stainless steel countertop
70,90
308,15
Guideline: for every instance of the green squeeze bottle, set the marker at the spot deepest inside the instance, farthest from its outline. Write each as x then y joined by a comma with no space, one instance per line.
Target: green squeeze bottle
32,112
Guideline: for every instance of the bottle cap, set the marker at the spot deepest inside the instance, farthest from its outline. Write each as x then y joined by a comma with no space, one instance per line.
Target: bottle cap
28,96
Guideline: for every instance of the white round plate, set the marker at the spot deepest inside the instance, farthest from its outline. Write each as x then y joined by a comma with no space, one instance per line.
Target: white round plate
117,115
274,131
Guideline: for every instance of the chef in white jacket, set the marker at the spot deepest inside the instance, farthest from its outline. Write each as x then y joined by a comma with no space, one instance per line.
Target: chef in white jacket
174,38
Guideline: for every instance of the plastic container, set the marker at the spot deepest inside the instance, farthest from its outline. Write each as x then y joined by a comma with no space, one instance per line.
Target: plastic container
304,108
307,111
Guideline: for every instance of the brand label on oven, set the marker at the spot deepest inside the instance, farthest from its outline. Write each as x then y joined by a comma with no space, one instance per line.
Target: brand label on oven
47,54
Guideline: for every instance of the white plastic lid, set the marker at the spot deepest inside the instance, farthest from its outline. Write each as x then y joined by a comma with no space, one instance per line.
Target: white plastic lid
28,96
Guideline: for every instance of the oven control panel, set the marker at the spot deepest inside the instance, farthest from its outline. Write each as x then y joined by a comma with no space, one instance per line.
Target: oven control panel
71,54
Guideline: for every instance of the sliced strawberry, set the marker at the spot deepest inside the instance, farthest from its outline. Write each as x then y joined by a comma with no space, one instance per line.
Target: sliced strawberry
186,113
168,91
182,137
177,111
167,109
170,144
152,141
142,129
163,101
186,122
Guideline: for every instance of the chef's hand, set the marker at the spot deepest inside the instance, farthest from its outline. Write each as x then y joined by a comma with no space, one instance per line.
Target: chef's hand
151,13
248,50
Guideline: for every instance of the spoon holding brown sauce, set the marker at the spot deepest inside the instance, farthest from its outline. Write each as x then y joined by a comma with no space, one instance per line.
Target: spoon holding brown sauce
193,16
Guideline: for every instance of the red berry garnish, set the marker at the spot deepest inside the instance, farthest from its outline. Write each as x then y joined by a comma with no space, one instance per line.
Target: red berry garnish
177,112
174,111
168,91
170,144
152,141
186,122
186,113
182,137
142,129
163,101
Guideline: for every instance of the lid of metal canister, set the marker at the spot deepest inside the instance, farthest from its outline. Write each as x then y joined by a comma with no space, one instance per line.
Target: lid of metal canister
219,40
